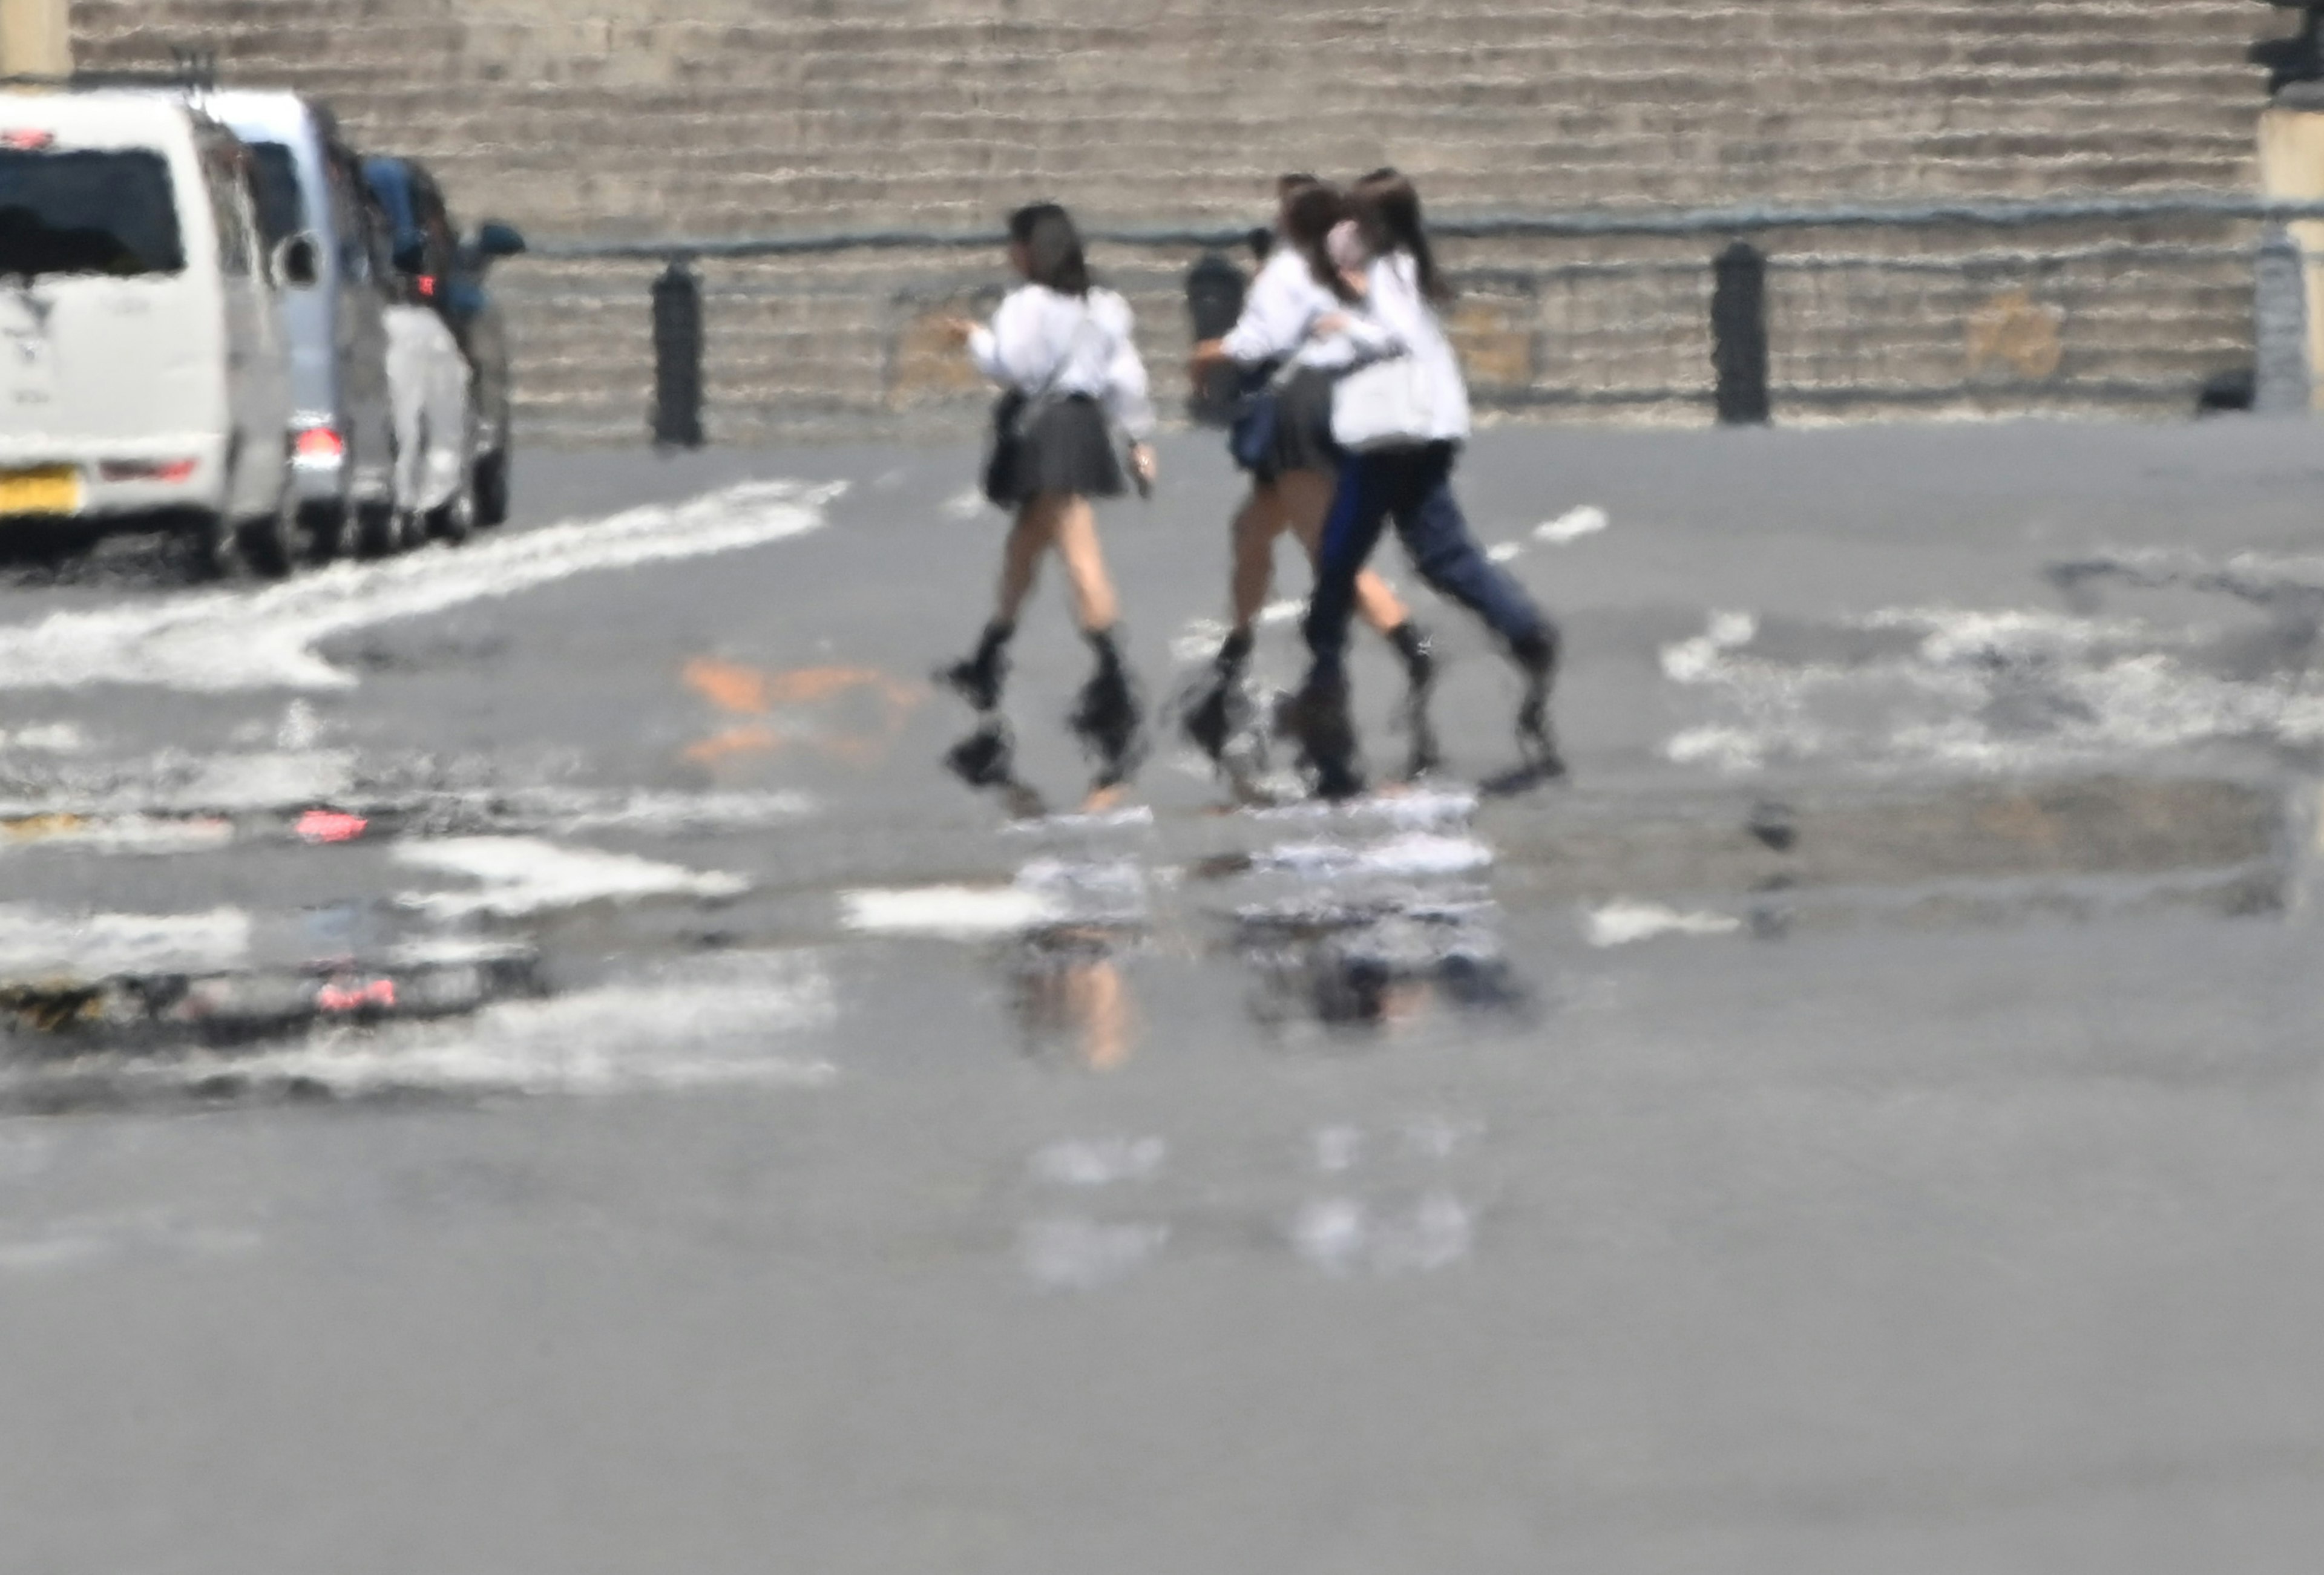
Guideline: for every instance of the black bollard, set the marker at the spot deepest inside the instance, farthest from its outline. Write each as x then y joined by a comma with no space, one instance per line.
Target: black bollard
1214,292
1738,335
677,356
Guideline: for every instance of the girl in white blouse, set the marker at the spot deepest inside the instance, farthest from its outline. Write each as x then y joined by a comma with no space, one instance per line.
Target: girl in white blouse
1409,482
1291,479
1062,351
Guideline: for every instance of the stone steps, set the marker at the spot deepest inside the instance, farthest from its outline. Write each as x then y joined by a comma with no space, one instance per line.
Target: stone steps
617,118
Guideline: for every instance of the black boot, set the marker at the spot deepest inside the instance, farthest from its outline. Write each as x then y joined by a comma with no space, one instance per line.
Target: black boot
1107,716
1536,658
1316,718
978,680
1213,719
1411,642
985,758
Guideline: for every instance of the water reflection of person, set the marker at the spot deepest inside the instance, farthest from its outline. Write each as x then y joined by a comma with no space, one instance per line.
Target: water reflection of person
1070,993
1383,967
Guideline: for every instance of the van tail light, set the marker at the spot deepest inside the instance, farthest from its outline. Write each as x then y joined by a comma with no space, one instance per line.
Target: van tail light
28,141
319,446
427,283
147,470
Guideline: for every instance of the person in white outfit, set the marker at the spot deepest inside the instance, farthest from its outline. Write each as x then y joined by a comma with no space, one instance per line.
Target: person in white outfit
1062,351
1408,481
1283,437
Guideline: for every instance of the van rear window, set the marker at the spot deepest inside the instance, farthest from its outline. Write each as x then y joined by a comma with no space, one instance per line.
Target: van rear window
274,181
88,212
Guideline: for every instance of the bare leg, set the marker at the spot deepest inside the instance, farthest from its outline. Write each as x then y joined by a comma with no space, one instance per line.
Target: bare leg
1256,527
978,680
1020,559
1073,530
1307,498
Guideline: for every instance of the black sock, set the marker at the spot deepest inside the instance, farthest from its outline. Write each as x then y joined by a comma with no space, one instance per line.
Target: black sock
1101,641
996,635
1411,641
1234,651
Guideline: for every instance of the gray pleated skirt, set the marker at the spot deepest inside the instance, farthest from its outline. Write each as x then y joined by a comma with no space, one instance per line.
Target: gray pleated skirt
1067,448
1303,425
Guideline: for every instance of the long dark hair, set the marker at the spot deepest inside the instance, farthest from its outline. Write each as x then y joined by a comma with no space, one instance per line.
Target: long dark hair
1052,247
1308,215
1387,211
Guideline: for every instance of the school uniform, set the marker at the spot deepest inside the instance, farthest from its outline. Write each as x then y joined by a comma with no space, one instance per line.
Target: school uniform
1076,362
1272,335
1410,485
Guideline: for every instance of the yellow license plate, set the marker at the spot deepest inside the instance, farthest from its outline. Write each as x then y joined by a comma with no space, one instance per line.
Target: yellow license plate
52,488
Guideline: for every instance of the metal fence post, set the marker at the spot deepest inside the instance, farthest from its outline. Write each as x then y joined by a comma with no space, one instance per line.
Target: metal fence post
677,356
1739,334
2280,373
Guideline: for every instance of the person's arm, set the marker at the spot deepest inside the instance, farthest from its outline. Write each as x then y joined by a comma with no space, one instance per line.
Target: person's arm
1271,324
1126,397
1342,341
1275,315
997,349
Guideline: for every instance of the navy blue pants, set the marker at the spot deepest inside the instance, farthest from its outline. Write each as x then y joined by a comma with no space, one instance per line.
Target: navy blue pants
1414,487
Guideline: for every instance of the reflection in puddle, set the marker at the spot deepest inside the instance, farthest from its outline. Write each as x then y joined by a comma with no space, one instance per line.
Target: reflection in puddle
1342,1235
1066,973
1374,964
1070,996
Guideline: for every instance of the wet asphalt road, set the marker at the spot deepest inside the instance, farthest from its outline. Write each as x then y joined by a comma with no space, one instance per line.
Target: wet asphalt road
519,1060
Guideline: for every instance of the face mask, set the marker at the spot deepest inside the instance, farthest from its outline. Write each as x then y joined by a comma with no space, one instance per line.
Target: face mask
1345,246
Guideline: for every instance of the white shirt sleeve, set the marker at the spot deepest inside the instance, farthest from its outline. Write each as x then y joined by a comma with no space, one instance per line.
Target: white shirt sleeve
1125,397
1367,330
1277,313
1009,350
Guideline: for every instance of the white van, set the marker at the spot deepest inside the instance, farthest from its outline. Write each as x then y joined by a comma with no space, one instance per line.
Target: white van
144,383
309,184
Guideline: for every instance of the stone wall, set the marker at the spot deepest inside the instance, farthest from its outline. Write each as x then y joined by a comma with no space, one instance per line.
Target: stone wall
649,118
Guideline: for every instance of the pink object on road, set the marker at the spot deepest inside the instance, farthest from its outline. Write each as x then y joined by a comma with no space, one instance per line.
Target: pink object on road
331,825
336,997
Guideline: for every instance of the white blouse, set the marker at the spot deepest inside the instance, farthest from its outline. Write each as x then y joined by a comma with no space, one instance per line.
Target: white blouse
1068,345
1396,319
1283,307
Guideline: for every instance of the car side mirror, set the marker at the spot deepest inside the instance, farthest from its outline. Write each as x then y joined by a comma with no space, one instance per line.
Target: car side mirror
298,262
495,239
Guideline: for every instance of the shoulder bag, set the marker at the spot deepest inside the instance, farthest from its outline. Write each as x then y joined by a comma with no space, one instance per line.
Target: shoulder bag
1383,404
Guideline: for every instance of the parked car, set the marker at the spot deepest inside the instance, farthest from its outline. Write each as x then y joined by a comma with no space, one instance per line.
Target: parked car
310,192
143,379
452,275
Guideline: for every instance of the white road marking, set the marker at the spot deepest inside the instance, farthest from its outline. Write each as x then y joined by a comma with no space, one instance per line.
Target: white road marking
525,875
42,944
643,811
213,641
1573,525
127,834
52,738
705,1022
1098,1161
1617,924
953,913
